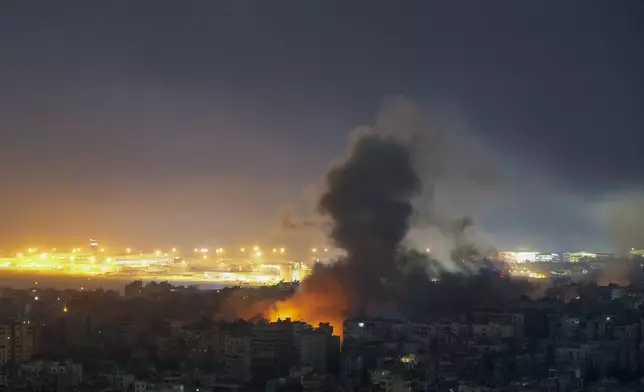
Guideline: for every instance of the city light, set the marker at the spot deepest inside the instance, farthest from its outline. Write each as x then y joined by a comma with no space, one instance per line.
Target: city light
282,250
31,250
157,252
19,254
314,250
174,250
242,250
43,256
128,250
65,309
258,253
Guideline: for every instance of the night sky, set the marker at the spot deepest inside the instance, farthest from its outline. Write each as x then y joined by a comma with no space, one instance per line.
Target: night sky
199,122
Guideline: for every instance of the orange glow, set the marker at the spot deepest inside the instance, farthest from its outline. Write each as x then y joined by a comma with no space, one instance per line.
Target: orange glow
317,301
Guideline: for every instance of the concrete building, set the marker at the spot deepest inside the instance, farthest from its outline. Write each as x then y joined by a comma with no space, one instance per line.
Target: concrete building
314,350
16,345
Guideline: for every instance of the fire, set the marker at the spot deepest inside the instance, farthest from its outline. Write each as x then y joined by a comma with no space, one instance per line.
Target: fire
317,301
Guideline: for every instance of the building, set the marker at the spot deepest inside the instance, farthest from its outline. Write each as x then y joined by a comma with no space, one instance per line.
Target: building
314,351
237,355
16,345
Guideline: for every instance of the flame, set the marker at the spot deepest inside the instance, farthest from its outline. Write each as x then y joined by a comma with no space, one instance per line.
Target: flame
322,302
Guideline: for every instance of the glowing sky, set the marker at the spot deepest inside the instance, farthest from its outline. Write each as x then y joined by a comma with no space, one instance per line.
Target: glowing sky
164,122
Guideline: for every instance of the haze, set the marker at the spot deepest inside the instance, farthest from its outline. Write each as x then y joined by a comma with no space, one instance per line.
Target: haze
154,122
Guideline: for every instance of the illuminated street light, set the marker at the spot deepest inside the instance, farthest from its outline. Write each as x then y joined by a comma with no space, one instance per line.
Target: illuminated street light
65,309
36,298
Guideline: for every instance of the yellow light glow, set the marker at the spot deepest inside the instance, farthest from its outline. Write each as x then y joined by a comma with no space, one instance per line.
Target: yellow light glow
174,249
242,250
314,250
65,309
258,254
43,256
274,250
109,260
92,259
255,248
128,250
19,254
102,250
326,249
196,250
282,250
157,252
32,250
205,257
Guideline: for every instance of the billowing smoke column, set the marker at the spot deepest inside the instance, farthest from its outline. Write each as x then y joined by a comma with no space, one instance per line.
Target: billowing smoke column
368,200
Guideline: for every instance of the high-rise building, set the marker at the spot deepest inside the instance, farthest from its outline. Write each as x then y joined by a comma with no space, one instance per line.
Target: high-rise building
16,345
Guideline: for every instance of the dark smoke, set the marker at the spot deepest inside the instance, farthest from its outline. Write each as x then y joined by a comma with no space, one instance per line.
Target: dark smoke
368,199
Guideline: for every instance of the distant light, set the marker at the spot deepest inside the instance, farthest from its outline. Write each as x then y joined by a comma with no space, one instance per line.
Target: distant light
174,249
258,254
19,254
157,252
53,250
608,318
204,250
82,288
361,325
65,309
58,299
242,250
255,248
102,250
282,250
128,250
36,298
326,249
428,250
92,259
109,260
314,250
274,250
43,256
502,276
31,250
196,250
205,257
